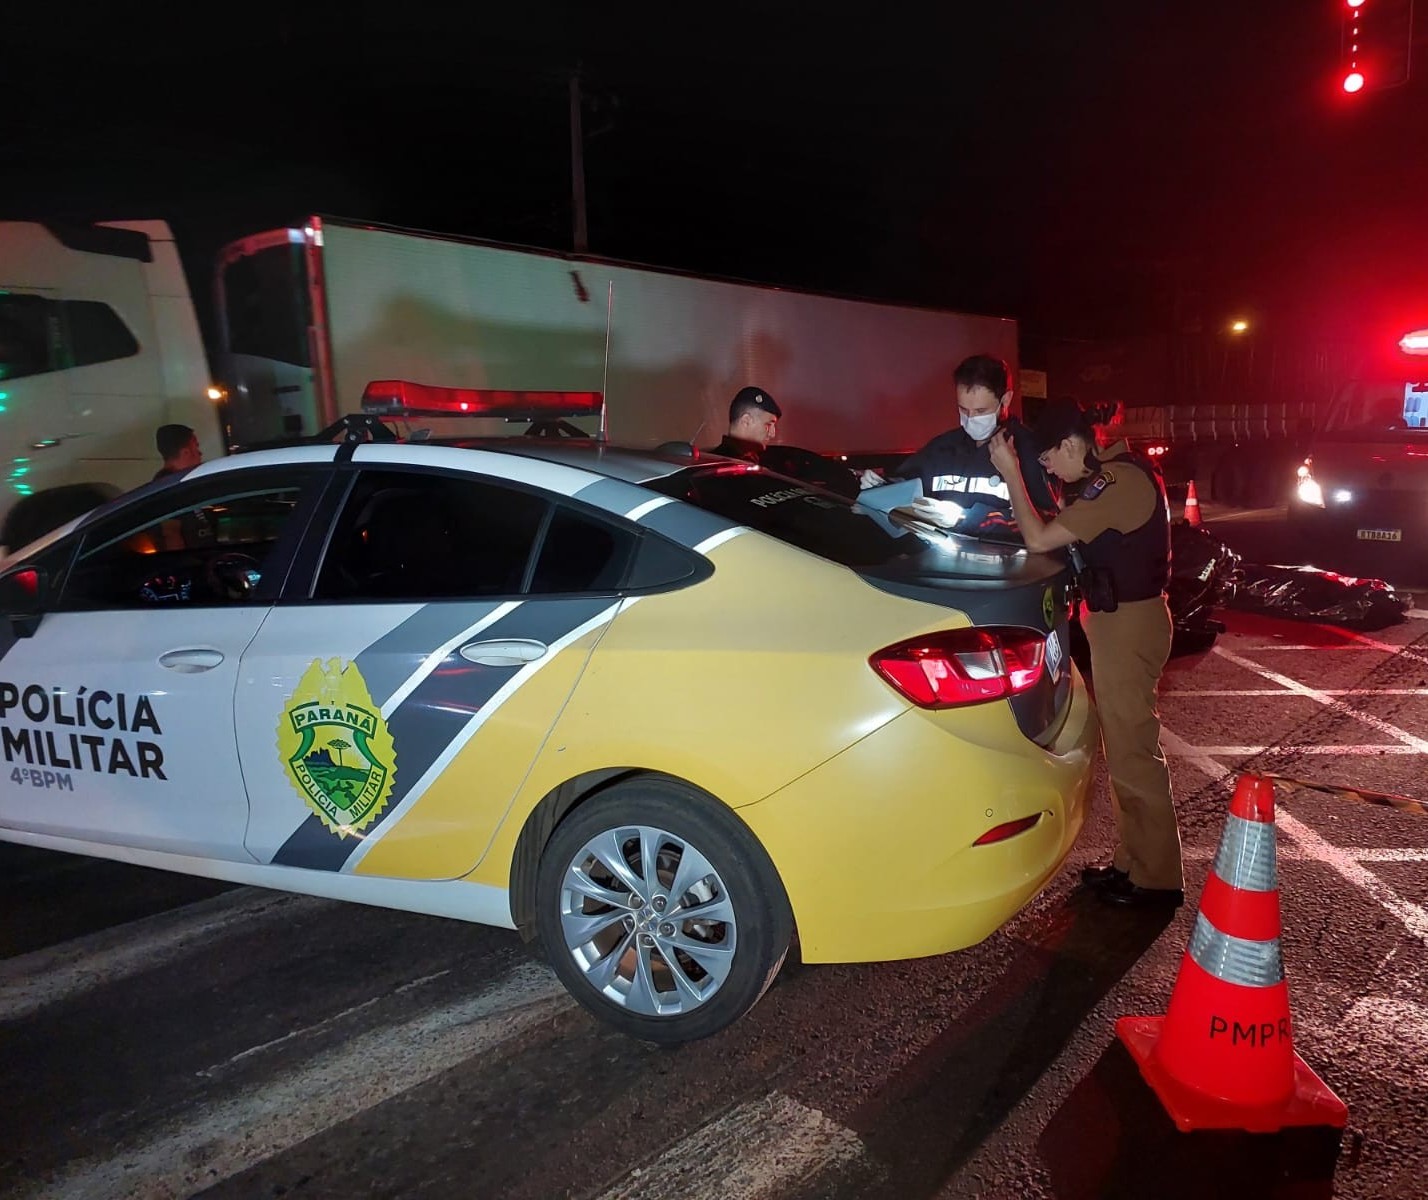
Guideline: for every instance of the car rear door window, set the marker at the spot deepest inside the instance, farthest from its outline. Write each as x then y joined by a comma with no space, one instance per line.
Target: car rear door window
581,553
807,517
417,535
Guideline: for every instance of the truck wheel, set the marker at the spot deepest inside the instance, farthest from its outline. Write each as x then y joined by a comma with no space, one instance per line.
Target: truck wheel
37,515
660,911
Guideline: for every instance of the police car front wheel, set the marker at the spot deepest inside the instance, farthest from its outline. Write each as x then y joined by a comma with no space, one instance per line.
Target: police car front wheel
660,911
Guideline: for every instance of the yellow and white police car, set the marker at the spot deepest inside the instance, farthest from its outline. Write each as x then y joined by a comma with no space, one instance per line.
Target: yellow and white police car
660,711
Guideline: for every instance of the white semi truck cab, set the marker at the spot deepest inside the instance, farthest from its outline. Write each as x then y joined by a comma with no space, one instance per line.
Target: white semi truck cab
99,346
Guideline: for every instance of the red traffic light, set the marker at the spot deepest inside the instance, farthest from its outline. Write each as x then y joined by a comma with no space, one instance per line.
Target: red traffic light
1354,82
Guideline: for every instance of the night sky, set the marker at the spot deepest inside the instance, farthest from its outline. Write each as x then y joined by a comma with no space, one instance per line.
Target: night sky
1084,166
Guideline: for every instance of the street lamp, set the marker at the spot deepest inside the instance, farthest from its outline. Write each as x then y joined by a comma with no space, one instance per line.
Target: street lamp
1239,326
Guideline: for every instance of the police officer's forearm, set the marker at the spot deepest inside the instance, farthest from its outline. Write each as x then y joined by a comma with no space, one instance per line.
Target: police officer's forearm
1028,520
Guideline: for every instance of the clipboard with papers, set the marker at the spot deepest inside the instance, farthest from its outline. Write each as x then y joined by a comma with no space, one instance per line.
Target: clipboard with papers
905,504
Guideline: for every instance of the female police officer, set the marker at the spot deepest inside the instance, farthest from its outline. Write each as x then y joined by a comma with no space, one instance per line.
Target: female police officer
1118,513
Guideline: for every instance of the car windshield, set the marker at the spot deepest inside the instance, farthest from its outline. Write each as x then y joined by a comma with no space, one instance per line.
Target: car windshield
1394,406
807,517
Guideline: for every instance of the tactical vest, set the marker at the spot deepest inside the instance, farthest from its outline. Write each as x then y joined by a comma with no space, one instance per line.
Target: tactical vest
1138,561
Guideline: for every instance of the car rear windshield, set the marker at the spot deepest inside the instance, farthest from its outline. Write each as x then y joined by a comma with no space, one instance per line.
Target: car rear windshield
807,517
1392,406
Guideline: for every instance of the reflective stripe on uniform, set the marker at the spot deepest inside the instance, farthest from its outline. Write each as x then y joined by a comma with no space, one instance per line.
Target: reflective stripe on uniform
1235,960
1247,857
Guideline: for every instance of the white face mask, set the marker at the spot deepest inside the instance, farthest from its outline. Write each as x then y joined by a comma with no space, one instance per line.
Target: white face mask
980,427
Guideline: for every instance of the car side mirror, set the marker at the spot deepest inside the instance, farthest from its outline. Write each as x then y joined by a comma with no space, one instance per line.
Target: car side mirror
23,593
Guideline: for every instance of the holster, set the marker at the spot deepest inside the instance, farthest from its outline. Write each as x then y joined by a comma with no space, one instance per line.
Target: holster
1096,585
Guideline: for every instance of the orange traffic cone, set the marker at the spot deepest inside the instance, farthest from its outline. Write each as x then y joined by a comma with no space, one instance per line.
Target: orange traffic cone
1222,1057
1192,505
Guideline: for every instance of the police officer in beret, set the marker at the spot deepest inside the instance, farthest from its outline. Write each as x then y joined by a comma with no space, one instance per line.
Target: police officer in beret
1118,516
753,422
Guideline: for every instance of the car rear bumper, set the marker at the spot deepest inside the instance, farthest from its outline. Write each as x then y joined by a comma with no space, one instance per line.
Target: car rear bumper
875,847
1394,526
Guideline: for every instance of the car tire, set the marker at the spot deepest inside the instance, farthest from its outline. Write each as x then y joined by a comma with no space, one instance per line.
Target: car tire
661,971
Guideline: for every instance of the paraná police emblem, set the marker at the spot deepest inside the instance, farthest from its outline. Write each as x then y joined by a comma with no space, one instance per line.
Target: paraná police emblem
336,747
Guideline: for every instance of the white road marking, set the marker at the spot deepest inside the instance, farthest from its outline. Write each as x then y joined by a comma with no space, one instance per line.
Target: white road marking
29,982
1279,691
1418,614
1364,854
1355,640
1300,689
1317,649
213,1142
758,1149
1413,916
1394,1027
1368,643
1252,751
1294,853
336,1018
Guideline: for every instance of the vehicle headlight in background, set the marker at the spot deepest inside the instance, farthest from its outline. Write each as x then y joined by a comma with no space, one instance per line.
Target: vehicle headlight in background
1343,496
1308,489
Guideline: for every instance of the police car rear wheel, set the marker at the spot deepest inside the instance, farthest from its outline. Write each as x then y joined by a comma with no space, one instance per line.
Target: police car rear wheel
660,911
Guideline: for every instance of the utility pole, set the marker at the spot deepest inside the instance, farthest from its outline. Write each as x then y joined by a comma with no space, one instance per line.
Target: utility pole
577,167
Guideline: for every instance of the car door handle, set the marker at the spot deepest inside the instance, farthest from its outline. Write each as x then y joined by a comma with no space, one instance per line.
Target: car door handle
191,661
504,652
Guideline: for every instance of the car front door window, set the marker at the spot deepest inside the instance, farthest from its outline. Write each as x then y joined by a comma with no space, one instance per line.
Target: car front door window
216,548
122,731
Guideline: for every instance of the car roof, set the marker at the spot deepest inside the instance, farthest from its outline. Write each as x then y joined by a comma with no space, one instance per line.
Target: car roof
630,464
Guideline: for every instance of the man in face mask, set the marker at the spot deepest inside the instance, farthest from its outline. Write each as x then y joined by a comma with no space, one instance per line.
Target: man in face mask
956,466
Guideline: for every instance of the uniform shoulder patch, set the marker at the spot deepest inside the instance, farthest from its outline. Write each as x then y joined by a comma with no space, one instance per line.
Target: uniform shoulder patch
1097,484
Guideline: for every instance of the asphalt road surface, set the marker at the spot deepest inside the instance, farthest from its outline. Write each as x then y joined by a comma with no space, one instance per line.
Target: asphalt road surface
162,1036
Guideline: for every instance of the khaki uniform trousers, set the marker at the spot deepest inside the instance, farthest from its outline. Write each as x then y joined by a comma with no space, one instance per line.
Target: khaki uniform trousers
1129,649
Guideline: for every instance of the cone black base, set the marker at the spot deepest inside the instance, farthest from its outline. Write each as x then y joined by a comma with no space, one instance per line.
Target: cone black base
1312,1102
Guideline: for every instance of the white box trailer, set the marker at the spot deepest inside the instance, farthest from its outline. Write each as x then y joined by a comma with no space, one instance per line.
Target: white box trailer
310,316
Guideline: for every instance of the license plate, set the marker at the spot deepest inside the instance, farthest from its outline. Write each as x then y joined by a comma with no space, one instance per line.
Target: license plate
1053,654
1380,535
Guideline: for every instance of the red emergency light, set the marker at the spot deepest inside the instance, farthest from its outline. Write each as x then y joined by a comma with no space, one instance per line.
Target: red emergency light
1415,342
402,398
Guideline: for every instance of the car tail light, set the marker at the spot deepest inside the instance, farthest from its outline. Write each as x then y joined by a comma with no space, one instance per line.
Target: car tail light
964,666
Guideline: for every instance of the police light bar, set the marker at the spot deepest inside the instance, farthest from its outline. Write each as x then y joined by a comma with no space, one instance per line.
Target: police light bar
402,398
1415,342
